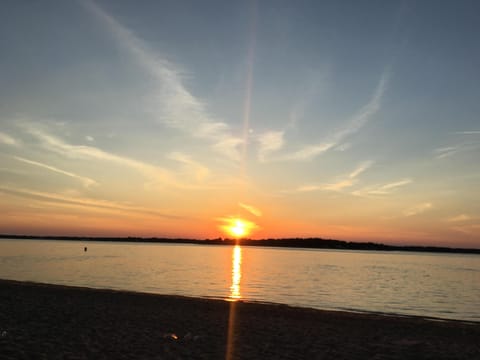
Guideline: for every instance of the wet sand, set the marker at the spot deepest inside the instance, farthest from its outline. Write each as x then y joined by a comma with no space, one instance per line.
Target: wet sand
56,322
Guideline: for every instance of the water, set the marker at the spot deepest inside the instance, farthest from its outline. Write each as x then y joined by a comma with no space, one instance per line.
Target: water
432,285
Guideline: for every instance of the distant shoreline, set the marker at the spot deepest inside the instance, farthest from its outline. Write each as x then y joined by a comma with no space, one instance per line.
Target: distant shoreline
303,243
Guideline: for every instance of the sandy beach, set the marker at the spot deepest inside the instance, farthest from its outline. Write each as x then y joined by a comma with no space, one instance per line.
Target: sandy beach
40,321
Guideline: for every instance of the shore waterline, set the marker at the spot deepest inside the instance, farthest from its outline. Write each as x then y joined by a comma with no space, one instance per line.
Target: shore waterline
431,285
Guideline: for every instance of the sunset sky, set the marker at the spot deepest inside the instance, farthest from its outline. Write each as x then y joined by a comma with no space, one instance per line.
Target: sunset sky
353,120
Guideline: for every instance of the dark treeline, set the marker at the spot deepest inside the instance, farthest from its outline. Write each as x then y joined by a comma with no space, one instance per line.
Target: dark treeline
308,243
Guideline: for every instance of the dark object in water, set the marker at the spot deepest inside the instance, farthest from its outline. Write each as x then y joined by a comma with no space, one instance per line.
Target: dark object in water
85,249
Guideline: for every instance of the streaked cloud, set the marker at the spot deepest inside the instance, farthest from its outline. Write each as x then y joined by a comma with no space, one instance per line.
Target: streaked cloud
60,199
360,169
156,176
54,144
418,209
448,151
309,152
473,132
200,171
7,139
305,188
388,188
85,180
445,151
229,146
336,186
396,184
173,104
459,218
382,189
343,146
469,229
270,142
342,183
363,116
251,209
355,124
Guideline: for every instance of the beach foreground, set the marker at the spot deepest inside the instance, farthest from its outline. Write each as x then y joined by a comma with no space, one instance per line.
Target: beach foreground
40,321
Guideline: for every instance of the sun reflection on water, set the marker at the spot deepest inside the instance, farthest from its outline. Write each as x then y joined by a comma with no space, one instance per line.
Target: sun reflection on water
236,273
234,295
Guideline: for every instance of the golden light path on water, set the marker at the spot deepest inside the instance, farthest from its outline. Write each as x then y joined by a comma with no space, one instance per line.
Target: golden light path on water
236,273
235,295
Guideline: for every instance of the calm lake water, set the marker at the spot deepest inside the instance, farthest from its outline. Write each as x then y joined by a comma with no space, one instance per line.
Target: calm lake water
432,285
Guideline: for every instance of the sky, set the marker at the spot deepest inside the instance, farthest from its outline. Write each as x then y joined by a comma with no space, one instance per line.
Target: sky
352,120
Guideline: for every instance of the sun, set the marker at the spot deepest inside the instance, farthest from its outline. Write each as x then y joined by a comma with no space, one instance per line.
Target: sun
237,228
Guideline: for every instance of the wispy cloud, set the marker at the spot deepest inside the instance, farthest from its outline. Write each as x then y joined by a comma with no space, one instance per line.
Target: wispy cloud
46,197
85,180
200,171
355,124
459,218
361,169
270,142
54,144
418,209
251,209
472,132
229,146
444,152
388,188
175,106
462,147
7,139
335,186
469,229
343,183
155,175
343,147
382,189
309,152
362,117
305,188
339,185
395,184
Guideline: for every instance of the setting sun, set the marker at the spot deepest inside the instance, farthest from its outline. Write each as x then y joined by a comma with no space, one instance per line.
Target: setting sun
237,227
